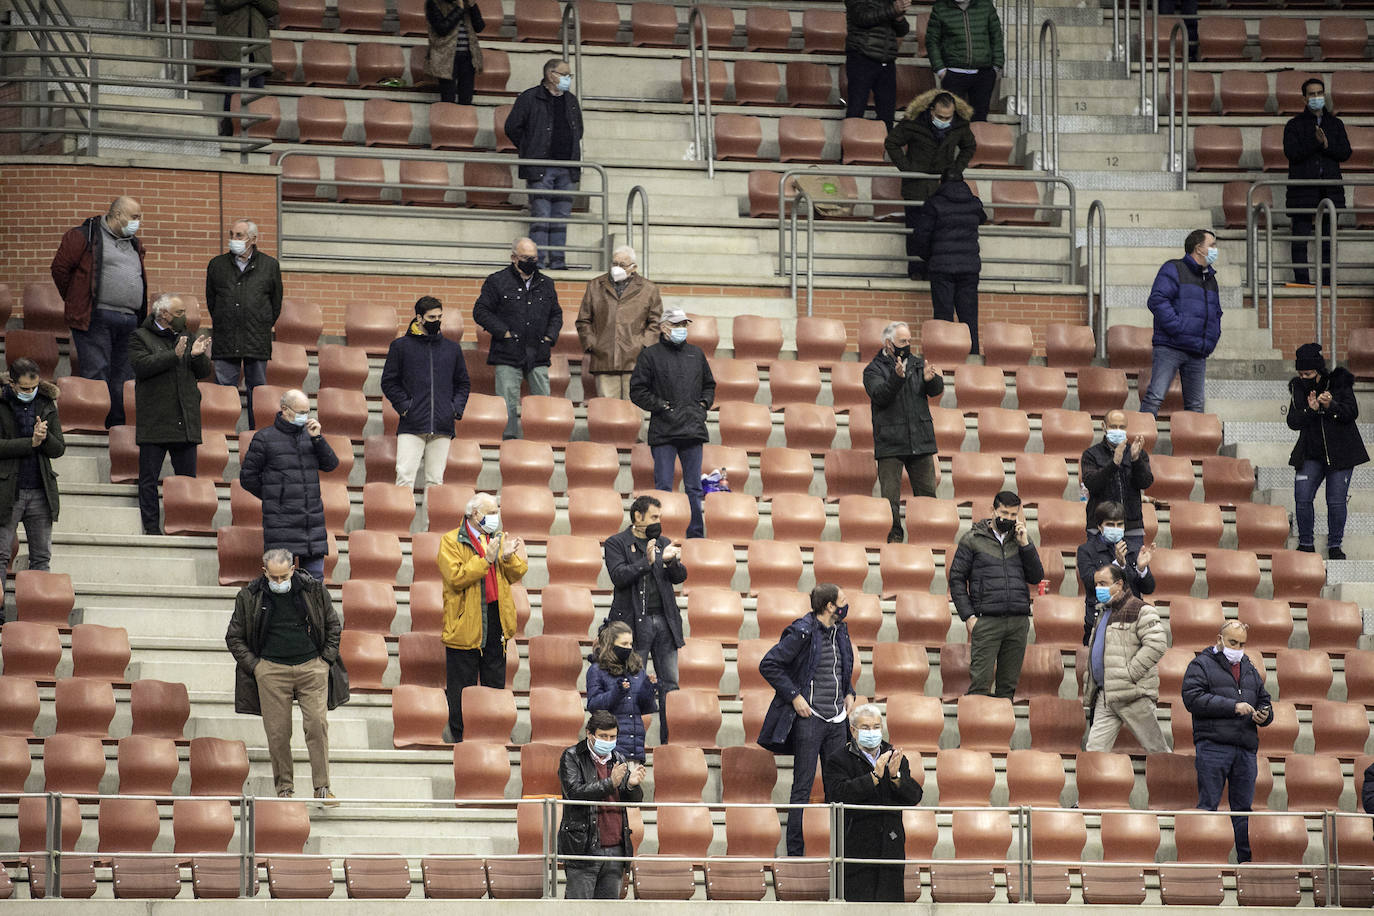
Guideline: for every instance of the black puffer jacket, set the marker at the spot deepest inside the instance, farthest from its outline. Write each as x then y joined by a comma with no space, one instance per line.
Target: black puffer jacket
166,394
1095,553
1210,694
1109,482
901,411
991,579
1307,159
282,468
426,380
872,30
530,127
243,305
673,382
532,315
577,835
946,231
914,145
1327,434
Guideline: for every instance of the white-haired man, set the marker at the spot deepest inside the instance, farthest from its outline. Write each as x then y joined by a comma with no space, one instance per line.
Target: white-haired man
478,562
619,317
243,295
167,368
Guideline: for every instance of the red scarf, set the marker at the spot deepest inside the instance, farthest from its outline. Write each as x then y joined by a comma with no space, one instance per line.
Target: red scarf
491,590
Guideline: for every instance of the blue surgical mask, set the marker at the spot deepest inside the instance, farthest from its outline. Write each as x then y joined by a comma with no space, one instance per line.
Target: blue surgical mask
564,83
602,747
677,335
1317,102
1112,533
1116,436
1212,255
300,419
938,124
870,738
279,588
131,228
1103,593
26,396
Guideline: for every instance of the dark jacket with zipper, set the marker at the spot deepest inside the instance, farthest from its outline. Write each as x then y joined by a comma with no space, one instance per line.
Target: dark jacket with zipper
1096,553
872,30
901,407
243,304
871,834
788,668
76,271
244,19
914,145
577,833
1109,482
1210,694
673,382
426,381
15,447
532,316
1307,159
530,127
991,579
1186,305
1327,434
946,230
166,389
282,468
248,629
631,574
629,704
967,39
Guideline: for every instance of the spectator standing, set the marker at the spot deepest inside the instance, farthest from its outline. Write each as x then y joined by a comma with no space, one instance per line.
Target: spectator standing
1113,471
873,37
1189,10
166,399
810,670
1323,410
284,636
618,683
933,137
1226,697
98,269
1186,304
619,317
478,563
243,295
899,386
946,237
1367,790
518,307
869,771
455,55
594,770
673,382
426,381
994,567
546,123
282,468
246,19
1107,546
964,42
644,566
1122,683
30,438
1315,143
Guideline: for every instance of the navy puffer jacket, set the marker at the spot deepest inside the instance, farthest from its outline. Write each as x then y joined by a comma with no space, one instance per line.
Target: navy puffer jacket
282,468
629,705
1187,307
946,230
1210,694
426,381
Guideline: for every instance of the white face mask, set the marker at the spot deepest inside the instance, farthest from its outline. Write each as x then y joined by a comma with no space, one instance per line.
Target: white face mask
279,588
1233,655
619,274
238,246
131,228
491,523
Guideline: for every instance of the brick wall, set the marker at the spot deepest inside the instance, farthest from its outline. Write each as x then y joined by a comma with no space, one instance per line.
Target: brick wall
1293,322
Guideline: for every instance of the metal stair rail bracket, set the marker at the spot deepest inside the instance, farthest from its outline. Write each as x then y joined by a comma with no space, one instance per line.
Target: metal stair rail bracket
43,16
1049,117
641,249
1097,278
1178,149
703,141
1323,208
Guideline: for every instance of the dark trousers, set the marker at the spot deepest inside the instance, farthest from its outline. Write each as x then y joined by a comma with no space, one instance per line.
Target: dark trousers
1305,483
253,372
595,880
468,667
1000,643
956,294
459,89
689,453
813,739
874,883
1233,767
866,75
920,470
1305,226
915,266
150,459
234,77
103,351
653,638
974,88
1188,9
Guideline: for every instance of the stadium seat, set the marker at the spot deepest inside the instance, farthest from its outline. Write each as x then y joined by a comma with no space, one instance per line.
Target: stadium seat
1127,837
452,126
978,835
1261,528
18,704
900,669
85,706
32,649
1244,92
1195,622
786,470
1173,479
985,723
99,652
1002,431
1005,345
1104,780
954,673
1333,626
800,139
996,145
159,709
1198,838
39,346
1194,526
775,609
1194,435
1342,37
701,664
1217,148
695,714
1339,729
1066,433
1270,622
422,658
1276,740
922,619
861,141
1296,574
1040,388
977,477
567,610
147,766
738,136
978,387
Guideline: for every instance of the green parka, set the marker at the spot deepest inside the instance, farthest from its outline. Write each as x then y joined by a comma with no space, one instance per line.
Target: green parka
965,39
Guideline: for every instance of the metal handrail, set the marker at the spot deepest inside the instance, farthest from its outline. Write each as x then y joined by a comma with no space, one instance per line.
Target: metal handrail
1019,101
1178,152
804,198
570,12
1097,305
642,249
1147,101
1323,207
696,23
1049,123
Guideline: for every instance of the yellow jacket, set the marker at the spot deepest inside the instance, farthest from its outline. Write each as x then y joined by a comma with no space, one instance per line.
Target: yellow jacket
464,571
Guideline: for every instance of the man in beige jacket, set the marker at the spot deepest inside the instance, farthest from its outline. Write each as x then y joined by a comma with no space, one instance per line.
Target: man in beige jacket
1122,683
618,318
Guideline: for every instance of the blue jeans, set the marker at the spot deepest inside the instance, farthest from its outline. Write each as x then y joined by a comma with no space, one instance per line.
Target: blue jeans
313,565
103,351
652,637
813,739
507,385
1233,767
1305,483
1191,371
689,453
550,211
254,373
595,880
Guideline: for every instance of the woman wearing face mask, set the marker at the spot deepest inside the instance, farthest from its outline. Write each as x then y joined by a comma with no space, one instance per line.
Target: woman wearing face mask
1122,682
1107,546
1323,410
617,681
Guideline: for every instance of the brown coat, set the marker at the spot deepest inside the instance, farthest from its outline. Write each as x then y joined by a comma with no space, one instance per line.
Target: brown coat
443,48
614,328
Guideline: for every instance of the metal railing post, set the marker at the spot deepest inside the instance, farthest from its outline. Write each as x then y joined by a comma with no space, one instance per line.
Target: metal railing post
92,106
53,844
570,11
642,249
1150,103
703,140
550,863
1178,152
836,851
1144,21
1323,208
1126,42
1116,30
1049,119
247,842
1097,307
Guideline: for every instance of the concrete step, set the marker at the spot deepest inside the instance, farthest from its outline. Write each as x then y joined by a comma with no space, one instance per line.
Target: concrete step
164,115
1125,159
344,732
1110,176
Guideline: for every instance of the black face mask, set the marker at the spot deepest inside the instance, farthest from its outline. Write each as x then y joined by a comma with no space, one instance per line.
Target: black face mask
527,265
622,653
1313,384
902,352
432,327
652,532
1005,525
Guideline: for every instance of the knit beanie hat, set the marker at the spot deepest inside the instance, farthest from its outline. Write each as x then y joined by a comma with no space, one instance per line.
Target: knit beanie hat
1310,357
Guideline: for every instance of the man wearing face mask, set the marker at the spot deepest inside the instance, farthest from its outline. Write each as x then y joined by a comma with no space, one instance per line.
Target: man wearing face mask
518,307
243,295
546,123
1107,546
282,468
284,636
810,671
1315,144
934,137
1117,471
1225,695
30,438
869,771
1186,304
945,235
98,269
619,317
426,381
673,382
1122,684
593,770
478,563
166,399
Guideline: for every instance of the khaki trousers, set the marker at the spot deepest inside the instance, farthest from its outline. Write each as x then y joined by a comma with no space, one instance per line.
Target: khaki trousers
612,385
410,449
1138,716
308,685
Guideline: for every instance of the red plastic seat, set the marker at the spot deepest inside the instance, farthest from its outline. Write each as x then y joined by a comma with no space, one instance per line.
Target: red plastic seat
546,419
844,564
1006,345
1272,158
1194,526
1066,433
763,193
1228,481
1221,39
1041,477
823,31
695,714
452,126
1217,148
595,512
996,143
218,766
1244,92
978,386
977,477
39,346
147,766
861,142
1194,435
1104,780
801,139
786,470
1261,528
1339,729
567,610
1002,431
738,136
809,84
1040,388
44,597
300,322
653,25
613,421
31,650
373,555
1069,346
945,343
85,707
1282,39
767,29
1304,675
43,308
1333,626
574,561
99,652
1174,479
1342,37
159,709
1297,575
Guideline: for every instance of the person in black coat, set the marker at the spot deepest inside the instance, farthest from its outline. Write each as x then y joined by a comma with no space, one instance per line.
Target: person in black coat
1323,410
1107,546
946,236
546,123
1367,790
869,771
282,468
673,382
618,683
518,307
30,440
1315,143
426,381
593,770
1114,470
243,294
644,566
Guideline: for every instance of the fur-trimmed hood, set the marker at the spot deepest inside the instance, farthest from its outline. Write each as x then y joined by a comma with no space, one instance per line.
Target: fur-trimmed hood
923,101
45,387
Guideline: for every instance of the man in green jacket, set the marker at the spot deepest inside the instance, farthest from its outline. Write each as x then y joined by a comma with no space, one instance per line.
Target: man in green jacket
243,294
964,41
